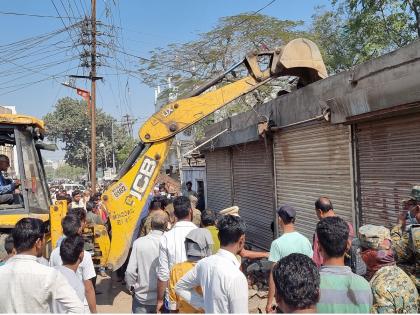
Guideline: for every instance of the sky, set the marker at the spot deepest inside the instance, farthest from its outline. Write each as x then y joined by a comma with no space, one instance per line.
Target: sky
30,76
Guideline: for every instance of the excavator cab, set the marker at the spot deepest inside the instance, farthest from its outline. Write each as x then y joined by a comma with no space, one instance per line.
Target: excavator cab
21,141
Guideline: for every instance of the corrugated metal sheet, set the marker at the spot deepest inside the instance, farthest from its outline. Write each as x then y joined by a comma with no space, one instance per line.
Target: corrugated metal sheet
219,179
254,189
310,162
389,164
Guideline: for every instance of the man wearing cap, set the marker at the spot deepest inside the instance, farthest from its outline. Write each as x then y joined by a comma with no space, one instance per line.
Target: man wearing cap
208,221
392,289
406,237
7,186
289,242
198,244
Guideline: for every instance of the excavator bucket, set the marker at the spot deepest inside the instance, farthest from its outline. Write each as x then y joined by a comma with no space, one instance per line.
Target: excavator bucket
300,57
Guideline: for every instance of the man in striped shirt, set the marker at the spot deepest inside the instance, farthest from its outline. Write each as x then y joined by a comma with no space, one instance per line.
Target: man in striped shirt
341,290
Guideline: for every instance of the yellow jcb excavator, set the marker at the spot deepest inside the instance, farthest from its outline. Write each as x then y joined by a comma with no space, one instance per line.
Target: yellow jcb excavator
126,198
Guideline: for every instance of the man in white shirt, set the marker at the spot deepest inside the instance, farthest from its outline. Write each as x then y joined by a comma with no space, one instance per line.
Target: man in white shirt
28,286
172,246
225,288
140,275
72,225
71,252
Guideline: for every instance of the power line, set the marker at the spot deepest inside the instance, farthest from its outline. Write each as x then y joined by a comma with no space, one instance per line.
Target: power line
67,29
124,52
241,22
25,85
37,71
35,15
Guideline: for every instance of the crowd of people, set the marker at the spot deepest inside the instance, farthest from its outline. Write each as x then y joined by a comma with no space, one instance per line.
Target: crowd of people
189,261
31,280
182,266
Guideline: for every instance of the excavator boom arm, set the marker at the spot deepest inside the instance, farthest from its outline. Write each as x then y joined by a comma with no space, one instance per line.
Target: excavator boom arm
127,199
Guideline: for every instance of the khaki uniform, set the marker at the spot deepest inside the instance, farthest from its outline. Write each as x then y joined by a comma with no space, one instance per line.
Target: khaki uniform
406,257
146,226
393,291
196,217
146,223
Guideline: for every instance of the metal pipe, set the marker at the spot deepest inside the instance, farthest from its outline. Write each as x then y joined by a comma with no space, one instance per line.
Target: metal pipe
275,220
205,142
319,117
130,160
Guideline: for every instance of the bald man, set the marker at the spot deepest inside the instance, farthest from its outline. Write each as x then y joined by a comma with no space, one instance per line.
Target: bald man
140,276
324,209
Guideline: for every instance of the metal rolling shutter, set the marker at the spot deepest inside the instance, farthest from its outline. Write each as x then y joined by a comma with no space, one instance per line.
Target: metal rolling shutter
389,164
310,162
219,179
254,190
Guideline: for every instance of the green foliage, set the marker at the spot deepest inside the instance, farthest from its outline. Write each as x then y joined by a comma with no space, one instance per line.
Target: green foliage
125,150
193,63
65,171
69,123
359,30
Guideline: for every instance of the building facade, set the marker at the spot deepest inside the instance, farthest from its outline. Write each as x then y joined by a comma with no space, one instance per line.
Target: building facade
352,137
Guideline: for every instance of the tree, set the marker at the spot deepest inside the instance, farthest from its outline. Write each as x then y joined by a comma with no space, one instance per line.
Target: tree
69,123
65,171
359,30
192,63
188,65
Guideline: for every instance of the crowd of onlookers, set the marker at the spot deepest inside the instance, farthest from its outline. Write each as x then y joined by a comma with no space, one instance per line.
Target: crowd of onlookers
70,265
189,261
180,266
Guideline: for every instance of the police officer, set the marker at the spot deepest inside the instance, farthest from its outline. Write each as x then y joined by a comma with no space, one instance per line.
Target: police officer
406,237
392,289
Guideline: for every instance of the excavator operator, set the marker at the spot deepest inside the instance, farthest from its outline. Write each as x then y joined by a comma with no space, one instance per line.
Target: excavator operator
9,194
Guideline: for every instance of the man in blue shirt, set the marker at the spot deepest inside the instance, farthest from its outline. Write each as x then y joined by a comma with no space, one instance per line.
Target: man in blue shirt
7,186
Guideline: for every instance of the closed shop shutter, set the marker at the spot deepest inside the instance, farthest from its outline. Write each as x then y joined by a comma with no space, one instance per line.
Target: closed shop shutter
254,190
310,162
389,164
219,179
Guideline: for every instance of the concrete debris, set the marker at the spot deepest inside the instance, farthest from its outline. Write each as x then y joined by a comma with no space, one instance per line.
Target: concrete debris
252,292
262,294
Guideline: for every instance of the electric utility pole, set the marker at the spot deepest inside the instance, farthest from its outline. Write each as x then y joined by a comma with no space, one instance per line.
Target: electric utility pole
85,40
93,96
